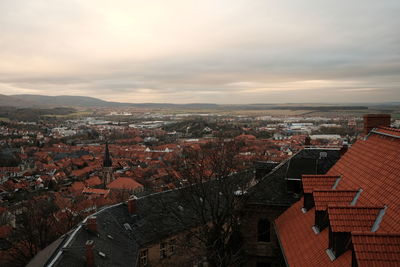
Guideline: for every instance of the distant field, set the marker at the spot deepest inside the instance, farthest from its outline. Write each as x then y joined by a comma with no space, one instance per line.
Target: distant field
71,115
4,119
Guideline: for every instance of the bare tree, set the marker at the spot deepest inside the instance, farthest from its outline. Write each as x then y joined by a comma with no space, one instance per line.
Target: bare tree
35,230
205,213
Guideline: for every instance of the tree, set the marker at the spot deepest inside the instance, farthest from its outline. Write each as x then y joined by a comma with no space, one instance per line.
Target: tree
35,230
207,210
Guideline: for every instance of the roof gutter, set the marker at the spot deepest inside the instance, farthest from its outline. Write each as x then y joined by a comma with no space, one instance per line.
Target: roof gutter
280,243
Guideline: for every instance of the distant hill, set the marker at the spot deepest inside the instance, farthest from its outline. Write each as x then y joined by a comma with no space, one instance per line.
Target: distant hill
43,101
85,101
12,101
64,100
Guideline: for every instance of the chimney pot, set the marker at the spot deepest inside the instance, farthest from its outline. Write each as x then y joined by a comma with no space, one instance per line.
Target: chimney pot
90,253
132,205
372,121
91,224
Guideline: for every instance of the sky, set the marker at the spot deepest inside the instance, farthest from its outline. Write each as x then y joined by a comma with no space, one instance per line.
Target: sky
208,51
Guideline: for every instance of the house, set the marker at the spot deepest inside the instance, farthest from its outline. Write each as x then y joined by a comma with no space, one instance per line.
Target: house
126,183
278,187
351,215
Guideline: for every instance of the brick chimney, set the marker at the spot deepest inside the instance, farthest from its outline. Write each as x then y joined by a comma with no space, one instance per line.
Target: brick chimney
307,141
91,224
372,121
90,253
344,148
132,205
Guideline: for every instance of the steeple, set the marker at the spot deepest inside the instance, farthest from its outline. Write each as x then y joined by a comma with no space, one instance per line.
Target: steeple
107,162
108,176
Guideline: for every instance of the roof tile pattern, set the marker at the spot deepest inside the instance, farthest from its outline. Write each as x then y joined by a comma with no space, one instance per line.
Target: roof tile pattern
373,249
350,218
373,165
323,198
313,182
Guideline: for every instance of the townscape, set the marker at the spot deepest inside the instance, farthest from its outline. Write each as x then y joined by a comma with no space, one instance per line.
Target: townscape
199,133
56,171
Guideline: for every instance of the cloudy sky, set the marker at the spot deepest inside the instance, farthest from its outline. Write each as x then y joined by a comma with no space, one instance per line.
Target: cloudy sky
216,51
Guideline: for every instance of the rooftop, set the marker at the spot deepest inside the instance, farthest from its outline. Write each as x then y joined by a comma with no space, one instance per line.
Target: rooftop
371,164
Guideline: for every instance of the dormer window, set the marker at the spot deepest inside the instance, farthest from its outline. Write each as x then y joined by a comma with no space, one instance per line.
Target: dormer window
345,219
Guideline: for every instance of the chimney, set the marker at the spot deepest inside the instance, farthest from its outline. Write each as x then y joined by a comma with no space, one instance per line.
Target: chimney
372,121
307,141
344,148
90,253
132,205
91,224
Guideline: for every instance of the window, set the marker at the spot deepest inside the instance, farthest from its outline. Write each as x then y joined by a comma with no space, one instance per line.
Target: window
263,231
163,250
172,246
143,257
294,185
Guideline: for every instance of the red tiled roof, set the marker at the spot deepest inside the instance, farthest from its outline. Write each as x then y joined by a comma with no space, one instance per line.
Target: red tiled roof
322,198
124,183
372,164
96,191
302,247
376,249
76,186
388,130
312,182
352,218
93,181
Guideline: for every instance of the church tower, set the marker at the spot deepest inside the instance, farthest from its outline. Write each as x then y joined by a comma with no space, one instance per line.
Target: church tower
108,176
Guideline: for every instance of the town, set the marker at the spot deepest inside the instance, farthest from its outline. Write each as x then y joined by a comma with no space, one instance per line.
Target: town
76,166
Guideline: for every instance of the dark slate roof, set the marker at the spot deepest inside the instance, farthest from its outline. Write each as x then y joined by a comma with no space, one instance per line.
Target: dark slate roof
113,239
272,189
166,213
156,218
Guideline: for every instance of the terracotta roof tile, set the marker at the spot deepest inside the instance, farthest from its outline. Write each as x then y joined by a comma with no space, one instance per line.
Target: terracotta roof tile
352,218
93,181
373,165
97,191
124,183
313,182
324,197
376,249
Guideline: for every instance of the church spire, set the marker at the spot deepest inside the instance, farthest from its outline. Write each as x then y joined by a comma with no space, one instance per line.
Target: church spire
107,162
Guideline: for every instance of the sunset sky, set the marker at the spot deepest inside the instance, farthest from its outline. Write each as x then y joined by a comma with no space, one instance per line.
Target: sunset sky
214,51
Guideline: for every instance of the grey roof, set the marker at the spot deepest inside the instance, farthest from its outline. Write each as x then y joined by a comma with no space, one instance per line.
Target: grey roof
113,240
158,216
272,189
